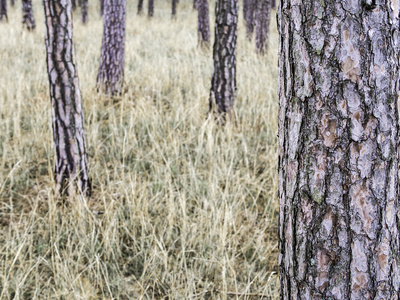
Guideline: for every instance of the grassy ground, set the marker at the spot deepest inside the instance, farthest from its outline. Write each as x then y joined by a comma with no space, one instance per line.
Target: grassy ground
182,208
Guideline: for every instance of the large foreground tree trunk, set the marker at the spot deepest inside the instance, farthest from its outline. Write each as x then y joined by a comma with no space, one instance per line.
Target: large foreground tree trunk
263,15
67,115
223,83
3,10
203,23
111,72
28,19
339,150
150,11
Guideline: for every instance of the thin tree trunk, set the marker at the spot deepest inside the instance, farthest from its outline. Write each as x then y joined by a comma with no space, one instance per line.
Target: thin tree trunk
69,138
140,7
249,17
111,72
28,19
263,15
102,7
203,23
12,2
273,4
3,10
223,84
174,3
195,4
85,10
339,150
150,8
73,3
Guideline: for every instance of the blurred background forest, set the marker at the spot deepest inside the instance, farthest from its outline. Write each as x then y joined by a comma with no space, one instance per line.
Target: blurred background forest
182,208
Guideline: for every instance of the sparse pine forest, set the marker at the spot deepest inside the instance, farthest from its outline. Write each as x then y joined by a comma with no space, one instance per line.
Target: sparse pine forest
181,207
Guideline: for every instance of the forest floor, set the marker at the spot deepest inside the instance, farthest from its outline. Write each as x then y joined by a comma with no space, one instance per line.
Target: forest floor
182,208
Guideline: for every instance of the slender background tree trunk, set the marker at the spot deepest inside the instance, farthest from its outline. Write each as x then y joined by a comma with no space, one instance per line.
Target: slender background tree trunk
339,150
3,10
150,8
102,7
195,4
67,115
85,10
174,4
249,15
203,23
223,83
73,3
140,7
12,2
111,72
28,19
263,15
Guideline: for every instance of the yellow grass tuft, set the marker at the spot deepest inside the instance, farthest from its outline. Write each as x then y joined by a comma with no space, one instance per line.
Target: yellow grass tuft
182,208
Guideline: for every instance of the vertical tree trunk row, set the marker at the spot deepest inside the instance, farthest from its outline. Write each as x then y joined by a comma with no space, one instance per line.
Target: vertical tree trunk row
150,7
203,23
85,10
140,7
339,150
3,10
28,19
174,4
71,163
223,83
111,72
263,15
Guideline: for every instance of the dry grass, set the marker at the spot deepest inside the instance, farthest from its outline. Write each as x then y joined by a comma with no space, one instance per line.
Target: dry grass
182,208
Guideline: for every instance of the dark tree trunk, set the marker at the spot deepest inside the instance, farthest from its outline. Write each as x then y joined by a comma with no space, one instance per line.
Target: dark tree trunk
102,7
111,72
339,150
203,23
67,115
140,7
223,84
28,19
263,15
150,8
195,4
273,4
174,3
84,8
12,2
3,10
249,16
73,3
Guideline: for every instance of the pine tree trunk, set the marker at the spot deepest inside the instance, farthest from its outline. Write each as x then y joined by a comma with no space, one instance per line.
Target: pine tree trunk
28,19
3,10
140,7
263,15
249,17
150,8
85,9
102,7
174,3
203,23
67,115
111,72
223,84
339,150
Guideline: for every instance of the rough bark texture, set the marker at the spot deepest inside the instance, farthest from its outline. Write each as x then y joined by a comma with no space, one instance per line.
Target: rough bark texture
249,8
111,72
203,23
3,10
85,10
263,16
338,149
174,4
28,19
67,115
223,83
150,7
140,7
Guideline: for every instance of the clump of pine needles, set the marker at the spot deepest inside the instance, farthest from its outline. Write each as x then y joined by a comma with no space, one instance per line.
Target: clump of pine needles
182,208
